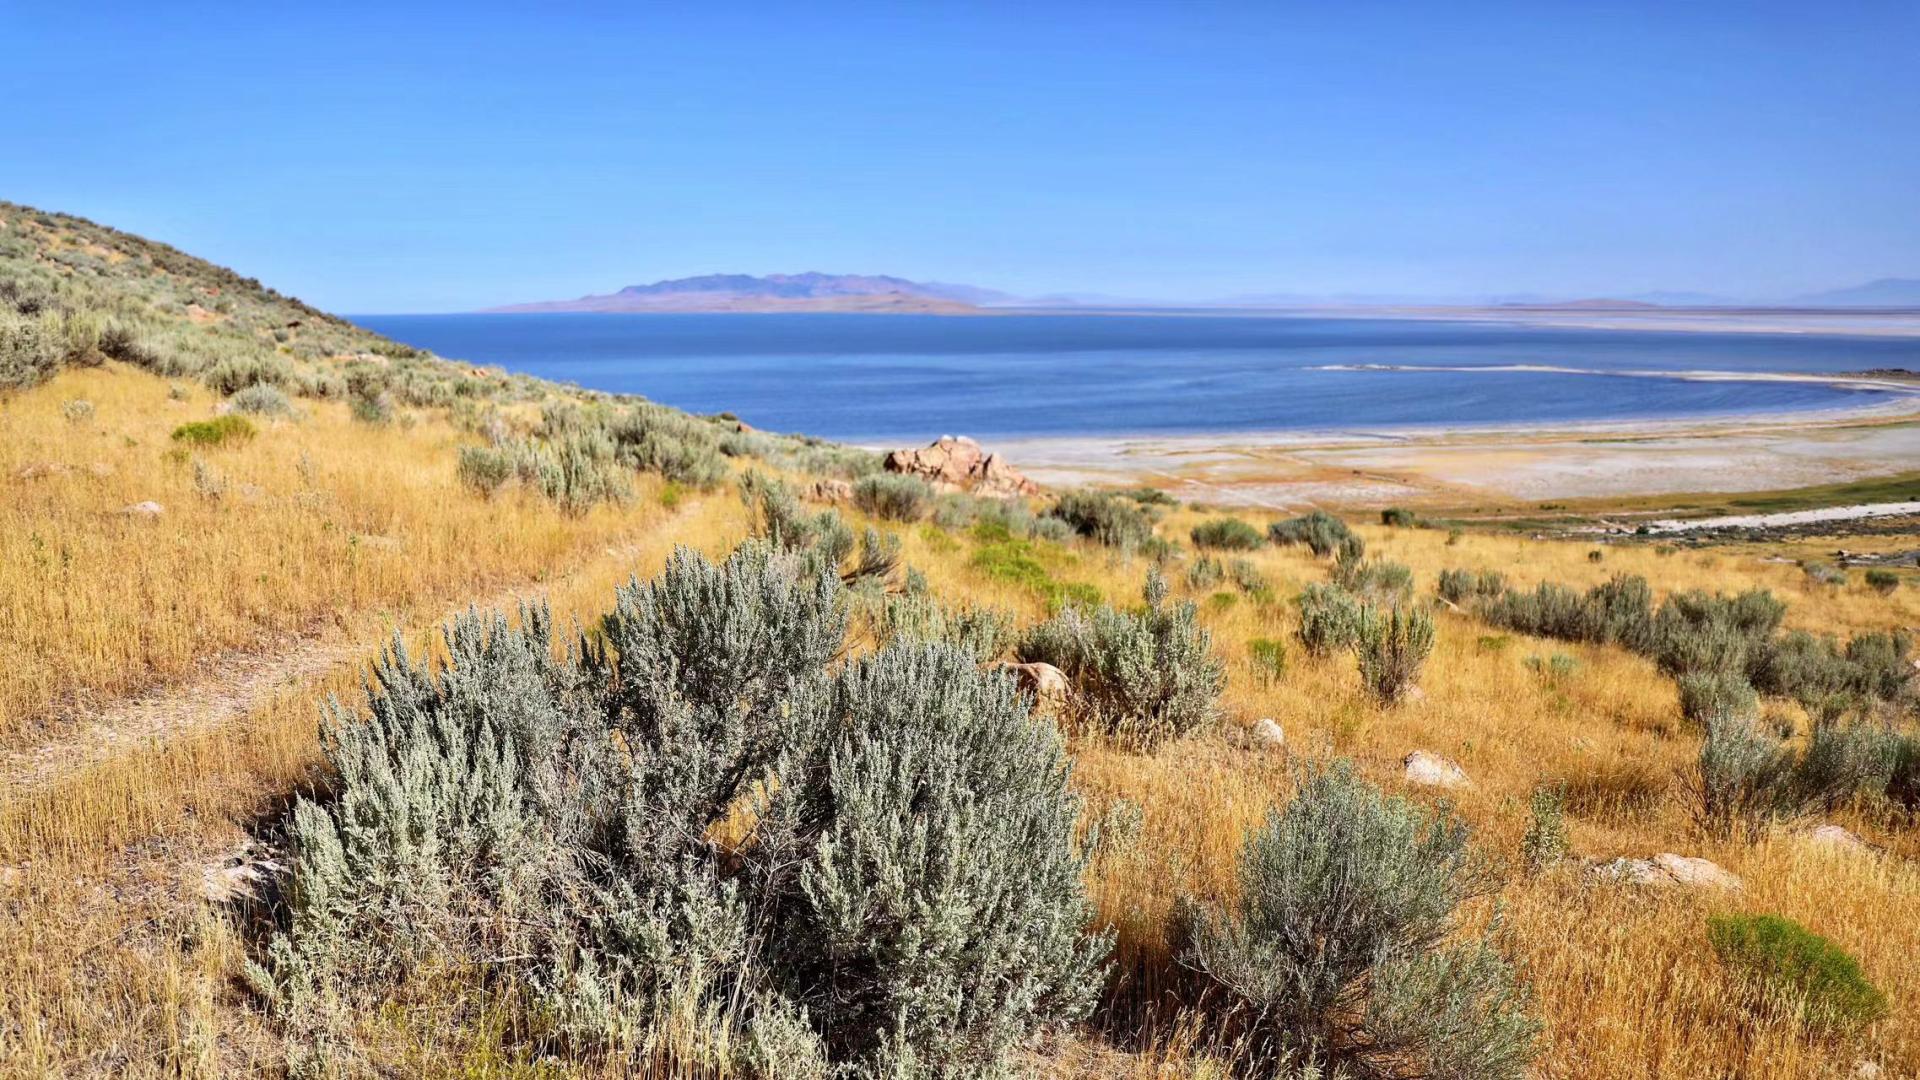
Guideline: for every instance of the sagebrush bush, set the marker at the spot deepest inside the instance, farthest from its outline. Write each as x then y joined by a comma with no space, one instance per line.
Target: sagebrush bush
1329,619
1545,841
486,469
1707,697
1337,948
1379,580
1268,657
1205,572
1747,778
935,918
1463,586
908,901
262,399
1319,530
893,496
1883,582
1108,519
1139,676
1227,534
219,431
1791,969
981,633
1399,517
1391,649
1248,579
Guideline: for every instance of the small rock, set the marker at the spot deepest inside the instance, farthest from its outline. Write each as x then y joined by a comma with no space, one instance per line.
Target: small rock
237,877
1837,838
1432,770
100,470
148,510
1867,1070
1268,733
1412,695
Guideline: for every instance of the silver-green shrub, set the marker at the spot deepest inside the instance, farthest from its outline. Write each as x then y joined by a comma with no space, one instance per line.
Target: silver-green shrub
1391,649
927,907
1139,676
1337,947
893,496
981,633
1329,619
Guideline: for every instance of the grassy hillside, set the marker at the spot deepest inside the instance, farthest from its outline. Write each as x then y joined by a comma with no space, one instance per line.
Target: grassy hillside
164,912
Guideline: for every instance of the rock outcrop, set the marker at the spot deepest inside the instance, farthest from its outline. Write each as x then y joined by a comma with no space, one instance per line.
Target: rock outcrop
957,463
1668,869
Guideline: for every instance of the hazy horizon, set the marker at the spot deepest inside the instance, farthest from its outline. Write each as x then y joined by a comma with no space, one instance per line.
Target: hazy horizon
452,159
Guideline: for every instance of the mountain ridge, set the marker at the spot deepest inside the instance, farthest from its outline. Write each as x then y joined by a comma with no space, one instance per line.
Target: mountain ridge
810,290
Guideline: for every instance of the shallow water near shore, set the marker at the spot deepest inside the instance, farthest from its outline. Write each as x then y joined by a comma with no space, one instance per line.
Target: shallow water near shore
909,378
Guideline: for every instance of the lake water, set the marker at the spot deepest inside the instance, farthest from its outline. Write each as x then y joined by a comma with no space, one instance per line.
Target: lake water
910,378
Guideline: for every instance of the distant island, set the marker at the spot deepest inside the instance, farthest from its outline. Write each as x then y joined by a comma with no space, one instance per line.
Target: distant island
884,294
748,293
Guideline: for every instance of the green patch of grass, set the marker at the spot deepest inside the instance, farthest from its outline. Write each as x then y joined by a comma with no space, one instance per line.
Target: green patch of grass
219,431
1795,969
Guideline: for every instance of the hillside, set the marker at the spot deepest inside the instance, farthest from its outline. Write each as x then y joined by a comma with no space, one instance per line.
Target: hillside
739,757
781,293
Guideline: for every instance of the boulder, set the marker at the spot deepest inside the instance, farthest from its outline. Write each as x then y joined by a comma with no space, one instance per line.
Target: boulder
957,463
148,510
1432,770
1668,870
1837,838
1267,733
1043,681
831,490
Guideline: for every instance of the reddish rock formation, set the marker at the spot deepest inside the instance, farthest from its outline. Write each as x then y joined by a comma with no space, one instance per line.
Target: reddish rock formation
959,464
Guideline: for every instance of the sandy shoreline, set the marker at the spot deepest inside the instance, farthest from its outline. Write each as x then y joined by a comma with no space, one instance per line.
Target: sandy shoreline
1495,466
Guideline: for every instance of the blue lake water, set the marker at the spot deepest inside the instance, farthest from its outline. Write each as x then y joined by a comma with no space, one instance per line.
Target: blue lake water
906,377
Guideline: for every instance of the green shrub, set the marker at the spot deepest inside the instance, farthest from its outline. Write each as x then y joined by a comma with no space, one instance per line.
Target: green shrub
262,399
1378,580
1883,582
1204,573
486,469
1463,586
926,897
1391,649
1883,665
1825,574
1796,971
1319,530
1399,517
1329,619
1107,519
29,352
1710,696
1339,947
1226,534
1248,579
1747,778
1268,657
981,633
893,497
778,517
678,447
376,409
1545,841
219,431
1139,676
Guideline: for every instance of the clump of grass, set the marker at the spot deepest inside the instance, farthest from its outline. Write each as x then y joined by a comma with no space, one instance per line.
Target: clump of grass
1791,969
1465,586
1883,582
1226,534
262,399
220,431
1268,656
1545,841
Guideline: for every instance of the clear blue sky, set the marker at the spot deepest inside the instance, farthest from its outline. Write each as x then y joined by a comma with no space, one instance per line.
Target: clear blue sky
445,158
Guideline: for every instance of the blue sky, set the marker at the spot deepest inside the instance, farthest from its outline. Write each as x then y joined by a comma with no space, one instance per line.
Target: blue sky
444,158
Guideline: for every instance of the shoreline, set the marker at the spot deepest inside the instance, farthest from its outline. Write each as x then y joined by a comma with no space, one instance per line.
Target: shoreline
1497,466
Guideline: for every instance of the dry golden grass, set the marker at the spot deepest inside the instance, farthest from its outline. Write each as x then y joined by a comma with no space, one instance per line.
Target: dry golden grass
112,965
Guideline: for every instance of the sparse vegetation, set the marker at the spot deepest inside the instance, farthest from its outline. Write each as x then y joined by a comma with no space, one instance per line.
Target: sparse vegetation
219,431
1226,534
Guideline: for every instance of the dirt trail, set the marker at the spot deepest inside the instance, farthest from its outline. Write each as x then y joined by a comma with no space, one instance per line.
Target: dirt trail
246,682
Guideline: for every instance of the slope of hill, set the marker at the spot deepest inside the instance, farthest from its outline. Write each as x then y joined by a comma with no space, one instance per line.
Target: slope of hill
809,291
539,862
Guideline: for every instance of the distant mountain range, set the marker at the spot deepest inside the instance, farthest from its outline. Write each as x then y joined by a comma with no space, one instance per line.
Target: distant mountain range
782,292
881,294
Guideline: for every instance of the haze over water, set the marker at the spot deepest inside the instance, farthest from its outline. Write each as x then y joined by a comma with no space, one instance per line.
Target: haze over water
910,378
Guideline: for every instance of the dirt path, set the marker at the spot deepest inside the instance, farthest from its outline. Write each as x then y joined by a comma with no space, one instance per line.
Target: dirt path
246,682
